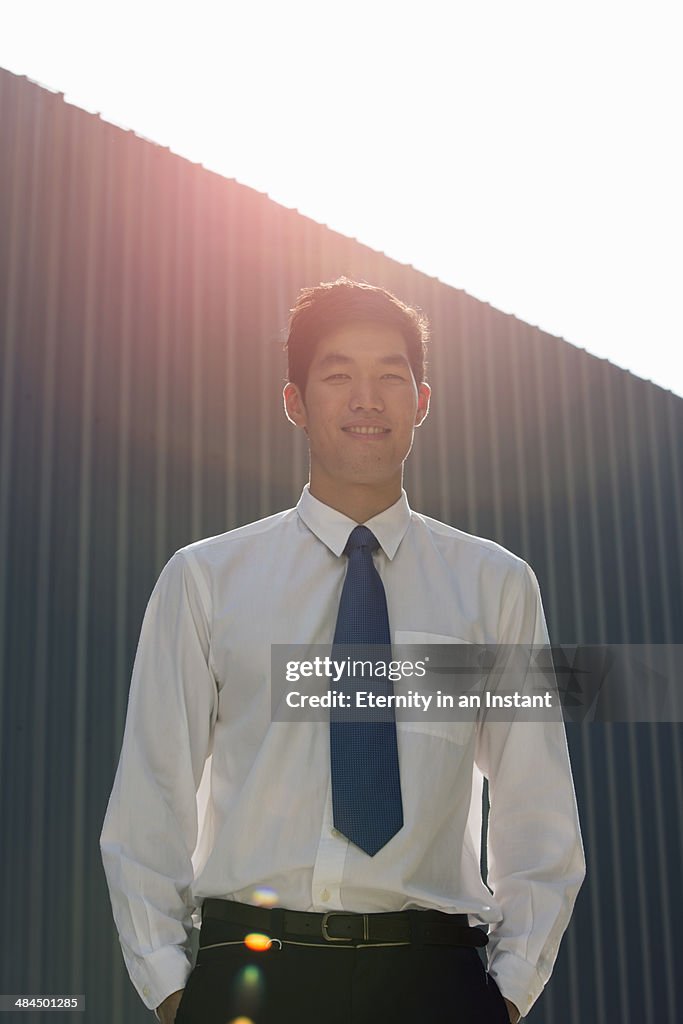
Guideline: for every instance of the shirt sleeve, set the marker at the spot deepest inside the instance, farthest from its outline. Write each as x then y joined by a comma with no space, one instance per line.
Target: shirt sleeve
534,850
150,827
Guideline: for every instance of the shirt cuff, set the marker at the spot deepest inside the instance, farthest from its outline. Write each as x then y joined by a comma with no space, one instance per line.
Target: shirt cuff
158,975
517,979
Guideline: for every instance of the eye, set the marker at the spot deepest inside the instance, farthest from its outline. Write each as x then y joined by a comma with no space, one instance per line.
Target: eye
393,376
337,377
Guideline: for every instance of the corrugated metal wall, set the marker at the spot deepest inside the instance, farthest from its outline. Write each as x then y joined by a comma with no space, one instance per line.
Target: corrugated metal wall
142,301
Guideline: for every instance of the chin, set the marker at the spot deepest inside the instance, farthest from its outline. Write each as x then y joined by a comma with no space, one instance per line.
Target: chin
364,475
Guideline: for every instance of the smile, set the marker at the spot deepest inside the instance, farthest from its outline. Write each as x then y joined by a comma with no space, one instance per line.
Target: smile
365,430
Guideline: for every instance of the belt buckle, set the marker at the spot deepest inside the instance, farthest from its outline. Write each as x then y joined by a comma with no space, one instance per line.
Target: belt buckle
342,938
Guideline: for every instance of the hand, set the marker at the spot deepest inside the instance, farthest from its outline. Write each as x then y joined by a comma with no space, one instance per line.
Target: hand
167,1010
513,1012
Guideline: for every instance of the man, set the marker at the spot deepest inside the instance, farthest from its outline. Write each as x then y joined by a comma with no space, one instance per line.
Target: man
217,806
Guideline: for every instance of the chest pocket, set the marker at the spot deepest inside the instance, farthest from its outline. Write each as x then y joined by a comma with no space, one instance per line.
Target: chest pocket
447,723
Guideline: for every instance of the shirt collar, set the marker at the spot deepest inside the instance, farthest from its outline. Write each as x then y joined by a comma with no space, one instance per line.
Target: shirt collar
333,527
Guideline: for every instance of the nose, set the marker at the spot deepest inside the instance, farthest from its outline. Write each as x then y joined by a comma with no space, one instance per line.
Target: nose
365,396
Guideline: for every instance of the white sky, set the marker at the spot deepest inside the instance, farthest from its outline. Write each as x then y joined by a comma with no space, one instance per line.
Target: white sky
528,151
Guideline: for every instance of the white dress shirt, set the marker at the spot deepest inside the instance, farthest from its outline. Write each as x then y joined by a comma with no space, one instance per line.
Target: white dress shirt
213,798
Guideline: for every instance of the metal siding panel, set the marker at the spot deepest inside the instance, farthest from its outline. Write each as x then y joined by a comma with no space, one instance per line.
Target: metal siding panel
39,845
660,584
657,845
86,567
614,869
591,627
445,409
470,433
672,441
591,922
619,633
12,222
573,462
639,486
517,523
546,561
27,497
488,456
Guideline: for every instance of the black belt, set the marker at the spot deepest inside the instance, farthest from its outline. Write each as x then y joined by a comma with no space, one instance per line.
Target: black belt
337,926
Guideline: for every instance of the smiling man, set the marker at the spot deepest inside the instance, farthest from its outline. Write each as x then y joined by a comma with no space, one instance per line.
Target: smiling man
354,849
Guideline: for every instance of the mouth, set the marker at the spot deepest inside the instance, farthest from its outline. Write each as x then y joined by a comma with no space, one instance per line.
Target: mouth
359,431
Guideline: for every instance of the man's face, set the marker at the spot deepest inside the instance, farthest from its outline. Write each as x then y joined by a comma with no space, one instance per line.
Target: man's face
360,407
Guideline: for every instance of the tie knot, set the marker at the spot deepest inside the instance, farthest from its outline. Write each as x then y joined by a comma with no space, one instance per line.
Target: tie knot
361,537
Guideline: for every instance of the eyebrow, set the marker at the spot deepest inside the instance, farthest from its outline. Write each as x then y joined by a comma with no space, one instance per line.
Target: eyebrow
337,358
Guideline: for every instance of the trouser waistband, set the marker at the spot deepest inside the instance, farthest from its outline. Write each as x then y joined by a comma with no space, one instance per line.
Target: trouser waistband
429,927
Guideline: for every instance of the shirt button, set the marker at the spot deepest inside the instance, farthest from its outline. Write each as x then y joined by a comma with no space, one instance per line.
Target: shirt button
145,990
324,895
335,832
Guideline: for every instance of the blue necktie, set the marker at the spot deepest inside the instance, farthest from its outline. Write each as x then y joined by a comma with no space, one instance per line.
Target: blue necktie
366,786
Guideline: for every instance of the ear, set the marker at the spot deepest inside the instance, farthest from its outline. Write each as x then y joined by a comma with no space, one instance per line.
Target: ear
295,410
423,395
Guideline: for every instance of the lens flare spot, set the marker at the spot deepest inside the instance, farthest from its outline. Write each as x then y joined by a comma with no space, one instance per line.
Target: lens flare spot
241,1020
264,896
257,942
248,990
251,976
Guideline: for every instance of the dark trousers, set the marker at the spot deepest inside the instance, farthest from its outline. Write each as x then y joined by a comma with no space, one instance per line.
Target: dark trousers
336,984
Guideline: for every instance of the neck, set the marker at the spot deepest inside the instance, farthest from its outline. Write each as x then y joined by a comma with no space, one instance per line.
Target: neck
359,502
